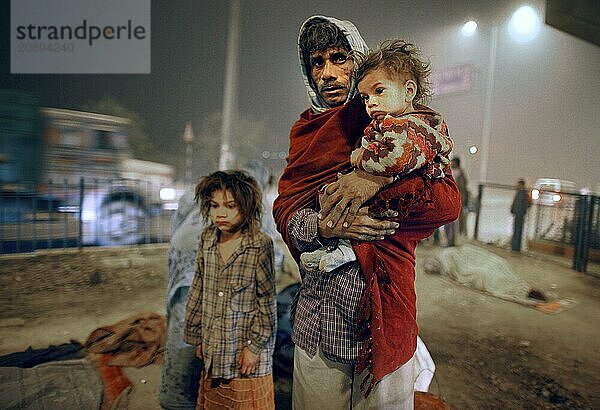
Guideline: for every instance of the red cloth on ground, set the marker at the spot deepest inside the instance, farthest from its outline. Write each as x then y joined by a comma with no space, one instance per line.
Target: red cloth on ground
320,147
136,341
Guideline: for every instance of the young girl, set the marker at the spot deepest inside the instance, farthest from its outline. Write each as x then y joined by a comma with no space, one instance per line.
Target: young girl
231,311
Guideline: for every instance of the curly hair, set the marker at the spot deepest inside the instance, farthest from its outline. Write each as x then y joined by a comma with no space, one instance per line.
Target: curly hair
400,59
245,192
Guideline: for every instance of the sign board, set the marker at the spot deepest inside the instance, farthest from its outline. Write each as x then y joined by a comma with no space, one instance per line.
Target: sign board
452,79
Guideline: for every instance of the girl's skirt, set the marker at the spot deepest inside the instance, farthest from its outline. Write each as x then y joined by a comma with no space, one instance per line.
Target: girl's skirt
252,393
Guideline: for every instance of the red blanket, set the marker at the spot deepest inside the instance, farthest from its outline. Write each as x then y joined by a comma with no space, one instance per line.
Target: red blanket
320,147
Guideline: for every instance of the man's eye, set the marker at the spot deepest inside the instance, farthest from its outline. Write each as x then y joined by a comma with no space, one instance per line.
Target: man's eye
341,59
316,63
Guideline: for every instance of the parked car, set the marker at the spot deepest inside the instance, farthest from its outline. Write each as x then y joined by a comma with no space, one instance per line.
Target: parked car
551,191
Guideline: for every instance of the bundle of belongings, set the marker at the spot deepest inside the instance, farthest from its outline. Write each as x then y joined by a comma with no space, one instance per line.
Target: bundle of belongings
82,376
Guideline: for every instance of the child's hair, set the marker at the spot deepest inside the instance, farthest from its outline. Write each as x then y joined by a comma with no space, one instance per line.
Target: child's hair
400,59
245,191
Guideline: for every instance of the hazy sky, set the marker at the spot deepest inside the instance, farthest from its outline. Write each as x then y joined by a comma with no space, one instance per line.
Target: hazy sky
545,101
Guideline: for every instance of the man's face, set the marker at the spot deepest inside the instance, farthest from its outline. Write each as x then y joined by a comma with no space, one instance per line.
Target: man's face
331,70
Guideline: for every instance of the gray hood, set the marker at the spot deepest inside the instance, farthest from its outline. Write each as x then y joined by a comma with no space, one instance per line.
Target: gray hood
356,43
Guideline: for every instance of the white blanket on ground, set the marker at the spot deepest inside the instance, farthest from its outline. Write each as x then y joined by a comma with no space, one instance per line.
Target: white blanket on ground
483,270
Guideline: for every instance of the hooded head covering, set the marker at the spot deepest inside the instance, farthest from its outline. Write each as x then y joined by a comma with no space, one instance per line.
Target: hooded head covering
355,41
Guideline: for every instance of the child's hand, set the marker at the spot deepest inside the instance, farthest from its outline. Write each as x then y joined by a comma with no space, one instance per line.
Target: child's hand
355,157
199,352
247,362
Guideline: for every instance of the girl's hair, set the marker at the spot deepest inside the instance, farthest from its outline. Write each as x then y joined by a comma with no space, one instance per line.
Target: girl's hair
400,59
245,191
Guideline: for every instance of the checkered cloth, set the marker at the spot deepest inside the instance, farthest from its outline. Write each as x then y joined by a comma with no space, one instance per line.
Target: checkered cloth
327,305
231,304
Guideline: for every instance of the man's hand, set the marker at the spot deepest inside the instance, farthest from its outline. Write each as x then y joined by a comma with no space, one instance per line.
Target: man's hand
247,362
362,228
342,199
199,352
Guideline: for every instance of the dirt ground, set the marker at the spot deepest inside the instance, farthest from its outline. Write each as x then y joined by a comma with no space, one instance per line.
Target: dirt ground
489,353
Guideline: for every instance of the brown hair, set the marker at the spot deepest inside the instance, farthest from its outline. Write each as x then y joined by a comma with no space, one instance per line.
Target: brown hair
400,59
245,191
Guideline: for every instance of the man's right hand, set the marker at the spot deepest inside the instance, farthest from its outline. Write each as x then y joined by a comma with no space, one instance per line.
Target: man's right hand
363,228
341,199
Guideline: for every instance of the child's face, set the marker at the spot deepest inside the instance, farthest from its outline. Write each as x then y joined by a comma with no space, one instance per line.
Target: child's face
224,211
383,95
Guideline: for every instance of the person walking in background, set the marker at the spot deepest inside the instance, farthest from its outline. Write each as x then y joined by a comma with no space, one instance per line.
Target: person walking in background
355,328
231,311
450,229
519,207
462,183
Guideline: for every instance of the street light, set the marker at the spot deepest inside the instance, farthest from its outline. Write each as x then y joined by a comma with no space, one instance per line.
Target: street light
469,28
524,26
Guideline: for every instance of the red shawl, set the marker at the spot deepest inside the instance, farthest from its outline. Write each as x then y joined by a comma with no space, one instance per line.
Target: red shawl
320,147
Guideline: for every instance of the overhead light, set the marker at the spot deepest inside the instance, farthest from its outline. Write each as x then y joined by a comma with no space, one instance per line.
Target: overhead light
167,194
524,24
469,28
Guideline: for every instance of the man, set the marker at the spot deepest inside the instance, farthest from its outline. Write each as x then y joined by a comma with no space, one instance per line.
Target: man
520,205
342,358
461,183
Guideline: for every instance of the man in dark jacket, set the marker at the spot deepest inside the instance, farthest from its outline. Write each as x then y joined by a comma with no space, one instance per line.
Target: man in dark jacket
519,207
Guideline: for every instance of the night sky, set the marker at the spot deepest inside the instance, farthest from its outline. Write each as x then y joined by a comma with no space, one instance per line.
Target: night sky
534,88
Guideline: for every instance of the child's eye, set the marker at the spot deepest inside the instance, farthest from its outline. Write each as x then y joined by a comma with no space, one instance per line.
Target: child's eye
379,90
365,97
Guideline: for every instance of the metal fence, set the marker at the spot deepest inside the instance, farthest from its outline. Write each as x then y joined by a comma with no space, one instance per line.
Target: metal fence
557,222
87,213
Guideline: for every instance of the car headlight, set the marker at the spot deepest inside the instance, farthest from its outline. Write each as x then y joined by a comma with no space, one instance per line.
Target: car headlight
167,194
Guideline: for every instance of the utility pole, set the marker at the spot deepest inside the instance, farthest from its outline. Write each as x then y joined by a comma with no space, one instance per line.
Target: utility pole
487,112
227,157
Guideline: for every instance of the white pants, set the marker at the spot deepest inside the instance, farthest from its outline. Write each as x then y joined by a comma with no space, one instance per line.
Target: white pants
320,383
